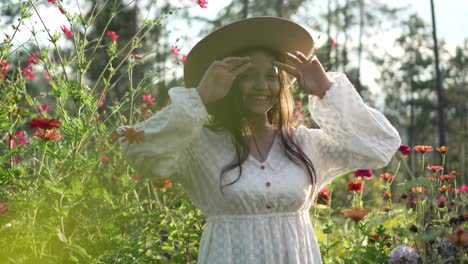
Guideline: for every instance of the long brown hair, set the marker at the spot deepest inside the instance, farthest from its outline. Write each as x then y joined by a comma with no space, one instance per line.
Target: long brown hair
226,114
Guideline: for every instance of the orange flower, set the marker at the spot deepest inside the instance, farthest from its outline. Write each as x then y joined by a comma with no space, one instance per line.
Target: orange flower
355,213
418,189
167,184
423,149
443,188
132,135
386,176
459,237
442,149
49,134
355,186
435,168
386,208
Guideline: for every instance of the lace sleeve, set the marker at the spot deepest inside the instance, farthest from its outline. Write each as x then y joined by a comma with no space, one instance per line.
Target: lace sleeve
166,134
352,135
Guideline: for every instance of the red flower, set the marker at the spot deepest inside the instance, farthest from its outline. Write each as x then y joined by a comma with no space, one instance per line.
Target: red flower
386,208
101,103
132,135
333,42
3,69
136,176
446,177
113,35
355,186
363,173
44,123
183,59
46,76
175,51
44,108
435,168
423,149
202,3
17,139
387,195
147,98
404,150
105,158
51,1
48,135
136,56
387,176
462,189
27,72
298,103
441,202
67,31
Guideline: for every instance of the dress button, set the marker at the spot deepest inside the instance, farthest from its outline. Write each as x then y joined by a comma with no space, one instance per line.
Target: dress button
268,206
262,167
268,184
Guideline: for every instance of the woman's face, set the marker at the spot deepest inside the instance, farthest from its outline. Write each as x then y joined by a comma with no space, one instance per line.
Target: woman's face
259,85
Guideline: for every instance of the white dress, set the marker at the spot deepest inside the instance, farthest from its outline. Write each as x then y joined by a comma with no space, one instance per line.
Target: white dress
264,216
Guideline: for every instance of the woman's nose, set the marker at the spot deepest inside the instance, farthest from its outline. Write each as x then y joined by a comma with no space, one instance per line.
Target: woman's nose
262,84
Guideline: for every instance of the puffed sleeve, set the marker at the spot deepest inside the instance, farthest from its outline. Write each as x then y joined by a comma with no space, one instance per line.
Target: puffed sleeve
166,134
352,135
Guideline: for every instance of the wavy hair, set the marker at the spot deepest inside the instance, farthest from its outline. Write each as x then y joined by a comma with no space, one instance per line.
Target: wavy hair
227,114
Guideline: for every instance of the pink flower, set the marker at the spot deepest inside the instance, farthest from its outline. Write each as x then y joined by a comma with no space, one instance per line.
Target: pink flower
363,173
175,51
114,36
183,59
51,1
298,103
3,69
463,188
333,42
105,158
46,76
16,159
44,108
148,99
202,3
101,103
27,72
298,114
435,168
67,31
18,139
136,176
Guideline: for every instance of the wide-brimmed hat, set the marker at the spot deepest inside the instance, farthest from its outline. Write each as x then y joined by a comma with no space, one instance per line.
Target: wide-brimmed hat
274,33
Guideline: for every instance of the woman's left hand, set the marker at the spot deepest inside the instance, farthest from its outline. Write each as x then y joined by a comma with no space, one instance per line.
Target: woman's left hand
310,75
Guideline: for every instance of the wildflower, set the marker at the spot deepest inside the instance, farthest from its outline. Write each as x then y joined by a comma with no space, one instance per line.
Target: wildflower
446,177
3,69
415,200
183,59
324,197
404,150
66,31
44,108
44,123
435,168
46,76
358,174
442,149
423,149
445,188
167,183
136,56
3,209
136,177
355,186
333,42
147,98
175,51
404,254
418,189
49,134
462,189
18,139
387,195
133,135
27,72
459,237
202,3
387,177
355,213
298,114
441,202
51,1
104,158
298,103
386,208
34,59
114,36
16,159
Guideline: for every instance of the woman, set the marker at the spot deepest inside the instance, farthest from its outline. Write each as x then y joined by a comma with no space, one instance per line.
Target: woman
228,139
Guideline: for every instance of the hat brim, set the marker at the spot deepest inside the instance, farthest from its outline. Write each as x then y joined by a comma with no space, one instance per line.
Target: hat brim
274,33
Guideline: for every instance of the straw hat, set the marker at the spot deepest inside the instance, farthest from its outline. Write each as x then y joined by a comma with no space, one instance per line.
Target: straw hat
275,33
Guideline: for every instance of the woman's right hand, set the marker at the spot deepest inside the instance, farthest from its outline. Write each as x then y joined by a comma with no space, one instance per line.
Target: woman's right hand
218,78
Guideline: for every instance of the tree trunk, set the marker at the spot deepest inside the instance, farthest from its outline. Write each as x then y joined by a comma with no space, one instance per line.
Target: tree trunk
439,88
361,32
245,9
